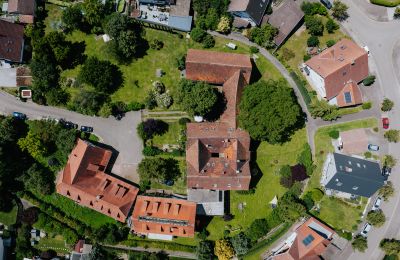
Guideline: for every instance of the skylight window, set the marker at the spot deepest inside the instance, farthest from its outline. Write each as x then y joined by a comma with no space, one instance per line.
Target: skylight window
308,240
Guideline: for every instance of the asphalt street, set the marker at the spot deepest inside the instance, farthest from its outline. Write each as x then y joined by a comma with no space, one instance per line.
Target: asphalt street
121,135
381,38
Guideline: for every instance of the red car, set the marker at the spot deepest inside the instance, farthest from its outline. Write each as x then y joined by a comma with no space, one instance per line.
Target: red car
385,122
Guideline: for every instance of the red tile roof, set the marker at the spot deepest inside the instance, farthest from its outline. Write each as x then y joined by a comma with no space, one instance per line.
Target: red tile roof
216,67
11,41
22,6
343,62
315,245
24,77
84,181
164,216
350,95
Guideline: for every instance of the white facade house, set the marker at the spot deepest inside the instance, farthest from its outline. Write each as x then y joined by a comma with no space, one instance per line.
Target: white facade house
317,81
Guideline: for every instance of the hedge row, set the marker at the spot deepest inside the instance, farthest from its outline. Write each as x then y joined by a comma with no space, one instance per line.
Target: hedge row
388,3
301,86
158,244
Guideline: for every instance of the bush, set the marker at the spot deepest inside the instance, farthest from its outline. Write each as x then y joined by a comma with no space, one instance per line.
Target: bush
339,10
147,129
151,151
224,25
368,81
198,34
301,86
257,229
306,57
208,41
312,41
183,121
386,191
164,100
181,62
392,136
313,8
314,25
331,26
156,44
368,154
396,13
359,243
330,43
345,234
254,49
287,54
387,3
387,105
376,218
334,134
366,105
134,106
390,246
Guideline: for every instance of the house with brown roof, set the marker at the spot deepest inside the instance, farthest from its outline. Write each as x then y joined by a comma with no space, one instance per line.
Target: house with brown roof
164,218
84,180
308,241
22,10
218,153
251,11
11,42
335,73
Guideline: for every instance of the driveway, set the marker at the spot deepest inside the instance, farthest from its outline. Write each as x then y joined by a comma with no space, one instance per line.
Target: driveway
8,77
121,135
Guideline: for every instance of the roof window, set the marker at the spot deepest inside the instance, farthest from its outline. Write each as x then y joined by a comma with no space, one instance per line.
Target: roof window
355,188
308,240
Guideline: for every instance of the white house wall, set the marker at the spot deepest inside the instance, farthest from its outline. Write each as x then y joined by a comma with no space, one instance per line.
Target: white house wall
318,82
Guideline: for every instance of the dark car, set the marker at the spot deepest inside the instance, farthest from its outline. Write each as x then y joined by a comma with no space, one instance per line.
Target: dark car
19,115
68,124
327,3
86,129
385,122
386,171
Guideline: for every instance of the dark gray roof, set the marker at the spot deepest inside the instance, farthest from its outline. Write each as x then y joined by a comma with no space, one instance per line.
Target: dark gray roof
256,9
356,176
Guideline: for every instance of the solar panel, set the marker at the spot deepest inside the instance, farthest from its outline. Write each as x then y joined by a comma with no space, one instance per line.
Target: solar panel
308,240
347,97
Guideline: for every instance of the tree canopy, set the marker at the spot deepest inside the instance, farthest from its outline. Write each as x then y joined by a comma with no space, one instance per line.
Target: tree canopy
269,111
241,243
205,250
390,246
72,17
223,249
359,243
158,169
376,218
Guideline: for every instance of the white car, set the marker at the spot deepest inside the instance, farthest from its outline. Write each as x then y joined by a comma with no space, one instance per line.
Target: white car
366,49
377,203
365,230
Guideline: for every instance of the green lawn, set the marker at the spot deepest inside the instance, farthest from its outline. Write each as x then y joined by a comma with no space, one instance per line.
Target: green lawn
269,158
9,218
335,212
55,243
170,137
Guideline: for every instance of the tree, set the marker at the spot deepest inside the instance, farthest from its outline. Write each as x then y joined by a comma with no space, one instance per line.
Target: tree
310,8
314,25
181,62
205,250
321,108
392,135
212,19
376,218
197,98
305,159
33,145
389,161
87,102
359,243
39,180
23,246
368,81
156,44
101,74
264,36
158,169
269,111
289,208
330,43
223,249
286,176
331,26
198,34
339,10
386,191
208,41
396,14
224,25
390,246
151,127
312,41
257,229
110,233
72,17
387,105
334,134
94,13
241,243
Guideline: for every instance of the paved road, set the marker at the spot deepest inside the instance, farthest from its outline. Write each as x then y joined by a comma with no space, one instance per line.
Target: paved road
121,135
381,38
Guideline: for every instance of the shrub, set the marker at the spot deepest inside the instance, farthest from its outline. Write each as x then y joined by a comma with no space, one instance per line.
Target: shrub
208,41
359,243
396,13
339,10
366,105
345,234
392,136
334,134
389,161
164,100
306,57
387,3
198,34
313,8
181,62
314,25
287,54
390,246
147,129
134,106
386,191
331,26
387,105
254,49
257,229
376,218
156,44
368,81
151,151
330,43
241,243
183,120
367,154
224,25
376,129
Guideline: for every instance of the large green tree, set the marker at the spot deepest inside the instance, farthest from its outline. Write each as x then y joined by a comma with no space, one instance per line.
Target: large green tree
264,35
241,243
87,102
205,250
72,17
376,218
339,10
359,243
269,111
390,246
158,169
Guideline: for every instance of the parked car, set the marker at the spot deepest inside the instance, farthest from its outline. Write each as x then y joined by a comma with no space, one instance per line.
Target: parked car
19,115
386,171
373,147
365,230
326,3
68,124
385,122
377,203
86,129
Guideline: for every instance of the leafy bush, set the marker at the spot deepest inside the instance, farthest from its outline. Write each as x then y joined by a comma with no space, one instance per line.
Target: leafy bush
334,134
257,229
366,105
198,34
396,14
339,10
312,41
368,81
390,246
305,159
376,218
224,25
263,36
386,191
241,243
331,26
330,43
368,154
301,86
164,100
134,106
322,109
306,57
387,105
183,121
254,50
208,41
314,25
151,151
181,62
345,234
392,136
147,129
387,3
156,44
359,243
313,8
287,54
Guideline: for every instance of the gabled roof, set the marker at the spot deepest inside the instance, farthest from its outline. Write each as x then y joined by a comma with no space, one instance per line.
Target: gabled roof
166,216
216,67
254,8
356,176
311,240
84,180
22,6
11,41
286,18
350,95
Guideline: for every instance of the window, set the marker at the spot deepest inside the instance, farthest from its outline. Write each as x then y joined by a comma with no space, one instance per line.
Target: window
339,184
344,73
308,240
358,165
68,194
347,97
355,188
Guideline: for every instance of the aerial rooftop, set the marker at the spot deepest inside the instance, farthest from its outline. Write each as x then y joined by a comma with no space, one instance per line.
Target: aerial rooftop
84,180
11,41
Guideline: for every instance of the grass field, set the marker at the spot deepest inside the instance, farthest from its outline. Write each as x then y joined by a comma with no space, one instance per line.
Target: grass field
170,137
335,212
9,218
55,243
269,158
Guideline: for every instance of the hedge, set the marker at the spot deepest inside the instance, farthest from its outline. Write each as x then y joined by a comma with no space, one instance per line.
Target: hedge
301,86
138,242
388,3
